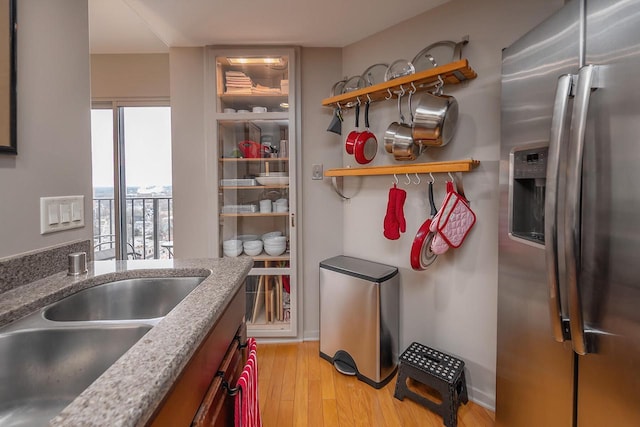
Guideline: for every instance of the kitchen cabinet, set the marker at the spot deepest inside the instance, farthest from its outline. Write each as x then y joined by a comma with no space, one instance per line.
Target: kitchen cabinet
198,396
253,127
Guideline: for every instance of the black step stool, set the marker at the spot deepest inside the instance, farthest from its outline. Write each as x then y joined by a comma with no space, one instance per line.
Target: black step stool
435,369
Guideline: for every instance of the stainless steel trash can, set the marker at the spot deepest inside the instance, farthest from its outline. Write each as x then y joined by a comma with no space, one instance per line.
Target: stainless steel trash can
359,318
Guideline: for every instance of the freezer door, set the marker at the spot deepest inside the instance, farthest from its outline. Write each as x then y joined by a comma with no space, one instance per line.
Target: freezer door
609,279
534,372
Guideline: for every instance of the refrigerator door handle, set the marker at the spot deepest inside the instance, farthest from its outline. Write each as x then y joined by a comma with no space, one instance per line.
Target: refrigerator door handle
587,81
556,138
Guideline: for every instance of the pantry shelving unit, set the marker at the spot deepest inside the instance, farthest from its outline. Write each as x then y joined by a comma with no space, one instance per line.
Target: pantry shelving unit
253,116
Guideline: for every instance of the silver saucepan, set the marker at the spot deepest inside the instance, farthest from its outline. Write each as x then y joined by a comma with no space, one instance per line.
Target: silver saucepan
435,119
404,147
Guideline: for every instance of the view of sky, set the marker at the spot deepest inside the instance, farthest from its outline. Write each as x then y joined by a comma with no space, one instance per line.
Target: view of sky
147,134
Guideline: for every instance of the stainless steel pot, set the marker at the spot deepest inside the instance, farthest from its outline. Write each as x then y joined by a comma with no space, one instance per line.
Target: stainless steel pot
390,133
435,119
404,147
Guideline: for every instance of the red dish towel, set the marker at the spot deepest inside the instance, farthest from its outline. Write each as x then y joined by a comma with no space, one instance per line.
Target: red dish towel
247,409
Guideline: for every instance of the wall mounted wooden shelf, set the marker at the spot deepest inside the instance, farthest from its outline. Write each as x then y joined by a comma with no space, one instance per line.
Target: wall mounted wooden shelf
452,73
434,167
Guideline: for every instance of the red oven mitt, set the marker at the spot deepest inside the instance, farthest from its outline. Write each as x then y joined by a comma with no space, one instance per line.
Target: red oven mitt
391,226
401,196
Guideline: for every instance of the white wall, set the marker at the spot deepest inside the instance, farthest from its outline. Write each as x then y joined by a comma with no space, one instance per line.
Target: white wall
451,306
130,76
321,209
54,148
191,187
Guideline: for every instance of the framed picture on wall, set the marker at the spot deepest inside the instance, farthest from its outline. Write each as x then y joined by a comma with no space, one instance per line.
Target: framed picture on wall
8,137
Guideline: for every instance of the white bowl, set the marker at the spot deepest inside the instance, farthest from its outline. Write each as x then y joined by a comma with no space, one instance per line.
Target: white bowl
252,244
246,237
271,234
281,208
232,252
273,180
274,251
275,240
275,245
274,174
231,244
253,251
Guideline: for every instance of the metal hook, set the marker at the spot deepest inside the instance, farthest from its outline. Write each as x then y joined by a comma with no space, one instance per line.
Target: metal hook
433,180
451,176
369,99
439,85
396,178
358,99
414,88
390,95
418,178
403,91
408,179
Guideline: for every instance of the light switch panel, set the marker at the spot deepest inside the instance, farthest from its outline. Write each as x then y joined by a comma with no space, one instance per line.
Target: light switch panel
61,213
76,211
65,213
54,214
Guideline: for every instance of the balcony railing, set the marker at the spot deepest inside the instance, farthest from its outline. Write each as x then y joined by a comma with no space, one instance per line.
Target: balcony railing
149,223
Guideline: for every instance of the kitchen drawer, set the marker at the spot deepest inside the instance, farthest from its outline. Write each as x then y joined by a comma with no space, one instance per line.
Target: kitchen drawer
217,408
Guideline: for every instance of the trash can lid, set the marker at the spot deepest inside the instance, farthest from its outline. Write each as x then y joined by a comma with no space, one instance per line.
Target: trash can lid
361,268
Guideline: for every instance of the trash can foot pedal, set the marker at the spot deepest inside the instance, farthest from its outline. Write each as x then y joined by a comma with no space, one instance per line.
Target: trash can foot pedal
344,363
343,368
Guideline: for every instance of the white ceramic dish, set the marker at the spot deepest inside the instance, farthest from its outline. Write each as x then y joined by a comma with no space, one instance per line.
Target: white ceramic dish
232,252
274,174
275,240
233,243
274,251
271,234
253,252
273,180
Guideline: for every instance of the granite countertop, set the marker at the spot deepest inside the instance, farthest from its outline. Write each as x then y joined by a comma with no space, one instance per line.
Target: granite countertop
128,393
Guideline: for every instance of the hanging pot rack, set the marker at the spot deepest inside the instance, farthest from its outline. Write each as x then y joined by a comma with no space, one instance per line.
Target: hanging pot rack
452,73
453,166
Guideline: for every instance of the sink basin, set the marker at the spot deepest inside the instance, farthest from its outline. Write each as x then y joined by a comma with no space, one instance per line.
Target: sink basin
140,298
43,370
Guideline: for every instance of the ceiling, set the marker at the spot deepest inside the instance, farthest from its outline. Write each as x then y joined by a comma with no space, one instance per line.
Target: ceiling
152,26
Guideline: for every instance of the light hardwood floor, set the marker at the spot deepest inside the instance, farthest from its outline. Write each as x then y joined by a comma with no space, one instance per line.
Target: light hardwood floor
298,388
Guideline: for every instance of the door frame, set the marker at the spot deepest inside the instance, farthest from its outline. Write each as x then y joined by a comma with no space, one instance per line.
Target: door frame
119,182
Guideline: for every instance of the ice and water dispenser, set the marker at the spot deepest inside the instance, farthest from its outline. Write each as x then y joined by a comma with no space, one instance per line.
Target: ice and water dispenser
528,179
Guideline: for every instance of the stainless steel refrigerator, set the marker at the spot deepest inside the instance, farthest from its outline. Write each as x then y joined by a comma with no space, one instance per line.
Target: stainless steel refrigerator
569,246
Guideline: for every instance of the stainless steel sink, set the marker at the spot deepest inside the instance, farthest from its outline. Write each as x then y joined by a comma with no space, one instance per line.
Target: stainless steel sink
141,298
42,371
50,356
